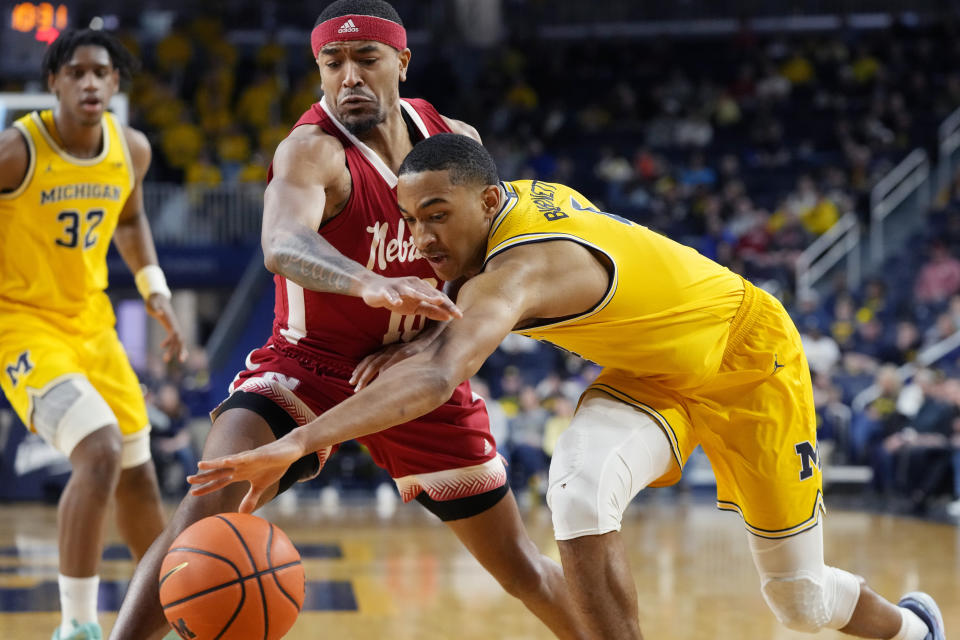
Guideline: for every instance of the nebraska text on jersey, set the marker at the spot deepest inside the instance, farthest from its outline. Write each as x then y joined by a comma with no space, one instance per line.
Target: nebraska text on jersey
383,251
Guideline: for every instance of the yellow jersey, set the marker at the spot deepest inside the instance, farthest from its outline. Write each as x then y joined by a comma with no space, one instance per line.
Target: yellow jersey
667,311
56,227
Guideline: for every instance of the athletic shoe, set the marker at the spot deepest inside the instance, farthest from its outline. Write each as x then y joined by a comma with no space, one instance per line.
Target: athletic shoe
85,631
927,610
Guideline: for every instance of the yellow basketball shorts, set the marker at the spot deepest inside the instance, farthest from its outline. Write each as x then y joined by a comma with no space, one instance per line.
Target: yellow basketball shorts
755,420
36,357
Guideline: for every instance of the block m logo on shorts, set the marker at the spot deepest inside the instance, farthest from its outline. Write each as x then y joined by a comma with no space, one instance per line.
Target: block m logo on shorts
20,368
809,458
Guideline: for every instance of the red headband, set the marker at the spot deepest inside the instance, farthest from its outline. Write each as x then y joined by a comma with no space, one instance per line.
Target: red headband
355,27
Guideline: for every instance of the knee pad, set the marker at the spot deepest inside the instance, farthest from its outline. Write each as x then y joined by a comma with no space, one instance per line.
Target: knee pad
68,410
609,453
807,602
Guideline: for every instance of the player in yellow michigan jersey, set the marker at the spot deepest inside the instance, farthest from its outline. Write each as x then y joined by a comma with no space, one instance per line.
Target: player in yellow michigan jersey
692,354
70,180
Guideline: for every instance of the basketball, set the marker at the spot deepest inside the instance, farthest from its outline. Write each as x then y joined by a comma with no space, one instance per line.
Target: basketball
232,576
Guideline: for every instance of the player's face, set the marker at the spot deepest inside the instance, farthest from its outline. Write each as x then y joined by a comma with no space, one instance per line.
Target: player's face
85,84
449,223
360,79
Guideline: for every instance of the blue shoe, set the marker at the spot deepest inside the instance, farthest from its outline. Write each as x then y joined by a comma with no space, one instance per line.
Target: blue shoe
927,610
85,631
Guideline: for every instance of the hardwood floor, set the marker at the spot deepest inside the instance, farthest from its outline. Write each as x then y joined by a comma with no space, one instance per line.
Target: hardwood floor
407,578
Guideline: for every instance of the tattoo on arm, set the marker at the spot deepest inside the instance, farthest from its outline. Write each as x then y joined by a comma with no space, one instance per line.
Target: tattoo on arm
308,263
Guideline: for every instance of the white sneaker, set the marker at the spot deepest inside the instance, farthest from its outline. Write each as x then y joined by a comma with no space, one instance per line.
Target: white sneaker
953,508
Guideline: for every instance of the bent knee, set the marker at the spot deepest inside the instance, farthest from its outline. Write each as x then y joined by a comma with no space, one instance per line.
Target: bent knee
797,602
99,454
805,602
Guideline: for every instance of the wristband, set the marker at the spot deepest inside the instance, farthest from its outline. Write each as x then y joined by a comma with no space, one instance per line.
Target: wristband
150,280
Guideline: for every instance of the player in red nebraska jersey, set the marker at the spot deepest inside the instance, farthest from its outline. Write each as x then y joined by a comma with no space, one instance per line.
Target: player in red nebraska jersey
349,281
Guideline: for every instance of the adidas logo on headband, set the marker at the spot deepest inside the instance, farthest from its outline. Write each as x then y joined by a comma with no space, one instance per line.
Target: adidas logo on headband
358,27
348,27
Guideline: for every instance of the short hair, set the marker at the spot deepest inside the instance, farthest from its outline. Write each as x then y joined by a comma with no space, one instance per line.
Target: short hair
60,51
465,158
375,8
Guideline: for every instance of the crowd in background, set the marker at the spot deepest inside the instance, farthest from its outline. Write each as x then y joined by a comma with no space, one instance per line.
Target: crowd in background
746,148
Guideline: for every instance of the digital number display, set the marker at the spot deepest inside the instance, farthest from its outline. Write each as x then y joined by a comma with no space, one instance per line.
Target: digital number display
42,19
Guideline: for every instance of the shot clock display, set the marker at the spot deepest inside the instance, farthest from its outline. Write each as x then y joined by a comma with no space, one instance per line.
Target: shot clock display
27,30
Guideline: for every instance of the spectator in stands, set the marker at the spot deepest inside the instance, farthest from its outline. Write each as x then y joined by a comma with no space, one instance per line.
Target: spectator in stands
697,172
201,171
879,419
869,340
940,277
904,454
833,419
170,440
182,143
562,408
498,418
525,443
821,350
905,345
173,53
843,327
942,329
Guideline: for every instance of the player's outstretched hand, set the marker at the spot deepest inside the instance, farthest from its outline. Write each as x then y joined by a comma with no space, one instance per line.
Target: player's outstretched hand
159,307
410,296
261,467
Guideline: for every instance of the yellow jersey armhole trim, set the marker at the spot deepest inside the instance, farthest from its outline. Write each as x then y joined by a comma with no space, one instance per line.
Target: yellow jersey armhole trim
532,238
60,151
122,135
512,199
31,164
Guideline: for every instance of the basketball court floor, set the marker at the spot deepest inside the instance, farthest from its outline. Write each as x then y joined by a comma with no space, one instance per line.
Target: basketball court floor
405,577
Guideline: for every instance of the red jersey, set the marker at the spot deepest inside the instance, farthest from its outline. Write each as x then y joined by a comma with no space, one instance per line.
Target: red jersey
369,230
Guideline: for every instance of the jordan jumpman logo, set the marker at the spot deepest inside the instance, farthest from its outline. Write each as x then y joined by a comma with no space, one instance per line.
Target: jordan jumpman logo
776,365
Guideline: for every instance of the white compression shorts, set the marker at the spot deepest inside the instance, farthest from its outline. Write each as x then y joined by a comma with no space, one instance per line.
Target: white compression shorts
608,454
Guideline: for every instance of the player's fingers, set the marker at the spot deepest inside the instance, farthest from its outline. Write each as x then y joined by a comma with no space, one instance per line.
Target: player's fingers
360,368
440,314
369,372
209,487
424,292
397,356
392,297
175,347
250,501
223,462
201,477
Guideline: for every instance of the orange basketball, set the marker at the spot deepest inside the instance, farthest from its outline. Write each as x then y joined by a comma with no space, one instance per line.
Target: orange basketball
232,576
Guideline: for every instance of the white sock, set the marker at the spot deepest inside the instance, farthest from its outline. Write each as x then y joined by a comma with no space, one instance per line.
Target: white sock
78,601
913,628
